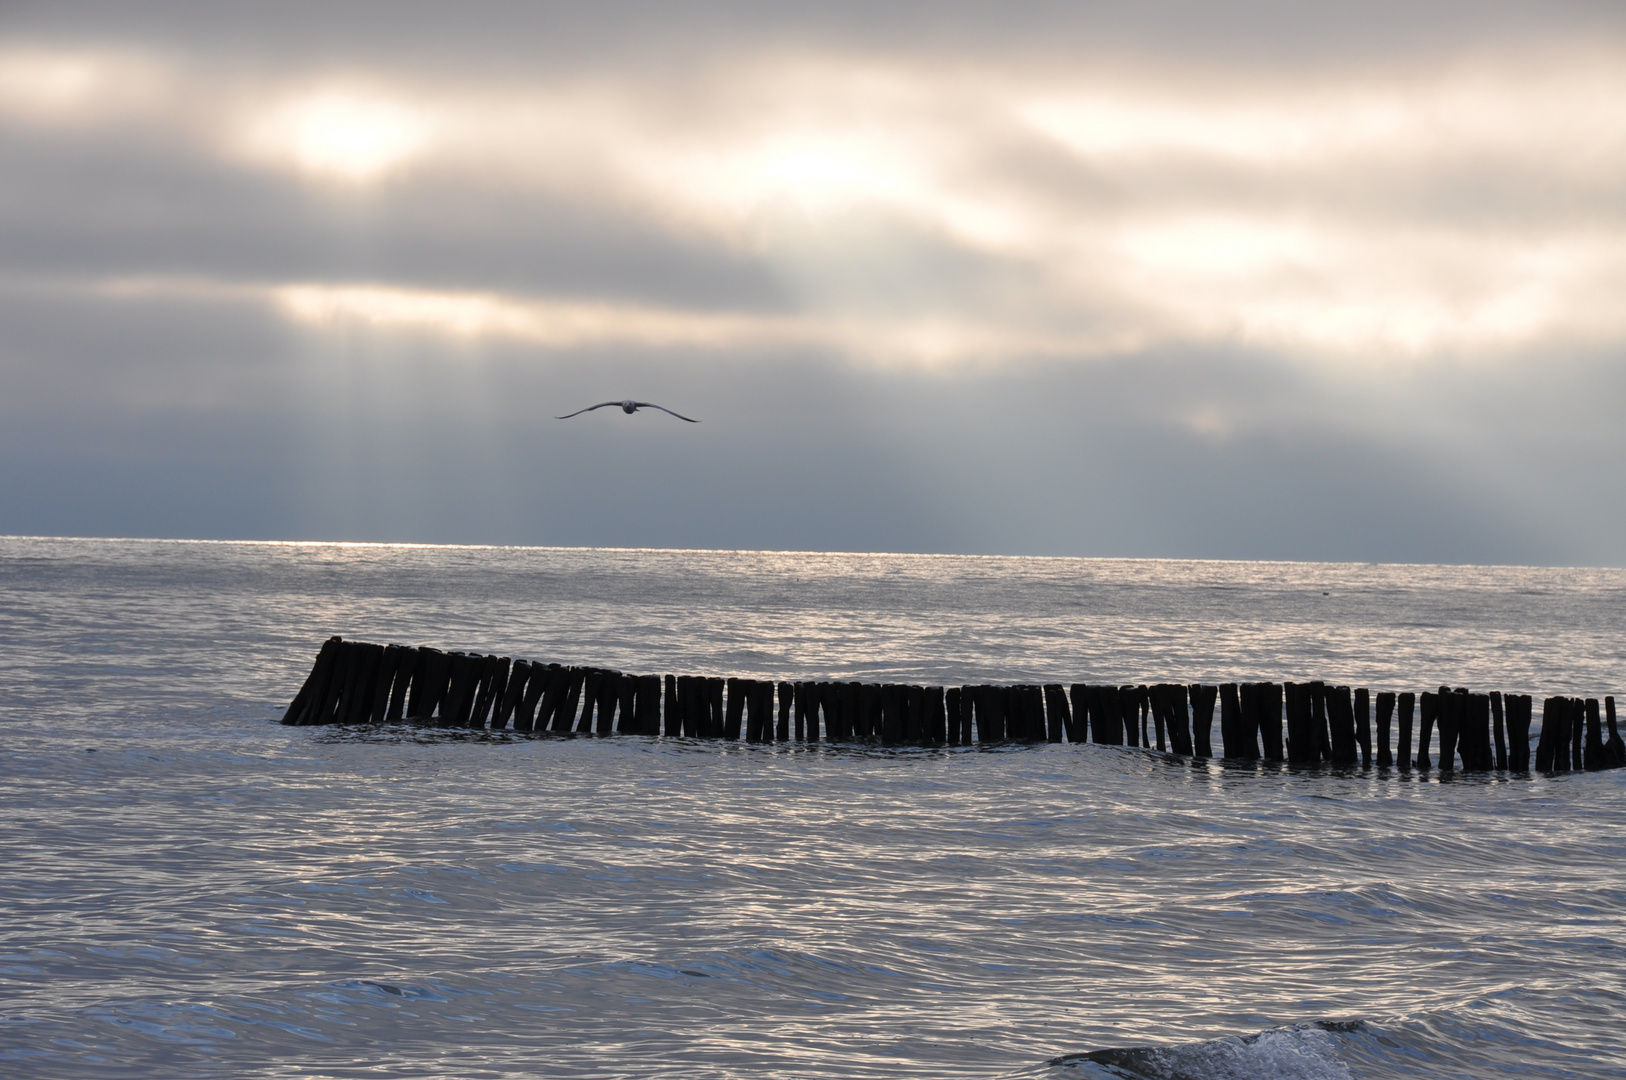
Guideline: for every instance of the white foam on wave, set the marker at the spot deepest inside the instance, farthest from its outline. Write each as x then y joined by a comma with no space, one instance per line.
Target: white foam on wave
1297,1053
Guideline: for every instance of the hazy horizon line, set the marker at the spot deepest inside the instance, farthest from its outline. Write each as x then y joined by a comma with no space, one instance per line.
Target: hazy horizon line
247,542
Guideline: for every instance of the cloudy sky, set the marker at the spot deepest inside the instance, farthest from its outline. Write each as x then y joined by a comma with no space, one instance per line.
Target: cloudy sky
1251,280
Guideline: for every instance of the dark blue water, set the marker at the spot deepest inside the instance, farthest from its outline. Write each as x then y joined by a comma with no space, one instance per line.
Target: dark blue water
190,889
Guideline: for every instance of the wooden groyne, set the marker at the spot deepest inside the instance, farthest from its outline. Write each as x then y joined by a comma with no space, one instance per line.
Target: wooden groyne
1306,723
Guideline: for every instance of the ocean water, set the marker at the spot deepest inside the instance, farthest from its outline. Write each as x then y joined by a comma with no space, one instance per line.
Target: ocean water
188,889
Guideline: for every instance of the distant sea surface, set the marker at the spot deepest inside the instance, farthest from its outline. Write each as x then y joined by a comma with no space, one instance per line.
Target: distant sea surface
189,889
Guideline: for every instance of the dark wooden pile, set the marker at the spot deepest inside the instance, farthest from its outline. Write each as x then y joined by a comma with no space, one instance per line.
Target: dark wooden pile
1310,723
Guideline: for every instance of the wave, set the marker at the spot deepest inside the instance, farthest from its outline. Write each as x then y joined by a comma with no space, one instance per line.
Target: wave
1304,1052
1436,1043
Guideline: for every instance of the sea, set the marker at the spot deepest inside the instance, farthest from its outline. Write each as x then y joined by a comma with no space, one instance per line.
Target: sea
190,889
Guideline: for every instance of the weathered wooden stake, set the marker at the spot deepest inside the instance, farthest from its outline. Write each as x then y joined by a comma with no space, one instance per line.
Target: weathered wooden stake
307,704
1106,716
913,699
360,709
1404,706
666,713
383,680
1363,726
1036,726
759,711
1545,752
477,691
342,690
909,712
556,691
1577,732
447,690
525,686
1615,748
1084,701
1158,707
1179,722
1058,704
1231,722
609,683
981,708
577,695
814,698
1477,727
357,694
626,715
1386,708
1001,698
1058,717
1269,696
1341,725
750,690
764,703
435,676
468,671
324,709
889,721
428,682
1015,702
1449,718
1594,737
696,706
835,725
936,729
1518,731
717,723
1301,746
1202,718
648,704
592,685
513,691
1129,714
1320,721
1501,739
493,682
736,707
1428,710
405,665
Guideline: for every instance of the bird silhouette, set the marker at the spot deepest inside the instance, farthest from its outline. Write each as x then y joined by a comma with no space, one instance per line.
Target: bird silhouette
629,407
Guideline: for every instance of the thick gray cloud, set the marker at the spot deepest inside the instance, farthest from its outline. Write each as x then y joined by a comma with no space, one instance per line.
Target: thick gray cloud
525,33
1277,281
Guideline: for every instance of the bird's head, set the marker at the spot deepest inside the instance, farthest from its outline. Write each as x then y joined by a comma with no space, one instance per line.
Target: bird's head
629,407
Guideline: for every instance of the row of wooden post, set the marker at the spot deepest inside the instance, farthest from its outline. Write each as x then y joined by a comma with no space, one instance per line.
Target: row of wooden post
355,682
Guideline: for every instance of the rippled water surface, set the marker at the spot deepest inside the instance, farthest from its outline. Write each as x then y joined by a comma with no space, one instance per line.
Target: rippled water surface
190,889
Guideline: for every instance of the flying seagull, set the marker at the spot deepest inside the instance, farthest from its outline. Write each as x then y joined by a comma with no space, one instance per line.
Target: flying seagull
629,407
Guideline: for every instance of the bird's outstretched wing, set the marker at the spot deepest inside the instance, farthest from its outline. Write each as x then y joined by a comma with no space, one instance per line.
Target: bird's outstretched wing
589,408
664,409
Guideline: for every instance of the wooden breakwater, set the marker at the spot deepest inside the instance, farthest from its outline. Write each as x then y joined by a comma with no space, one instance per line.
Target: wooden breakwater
1307,723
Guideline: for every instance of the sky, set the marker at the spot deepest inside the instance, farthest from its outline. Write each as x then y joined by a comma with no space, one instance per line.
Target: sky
1166,279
